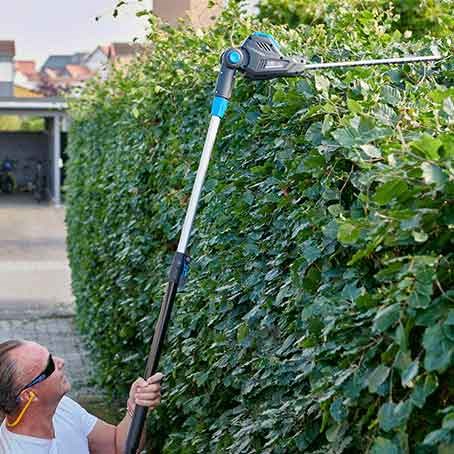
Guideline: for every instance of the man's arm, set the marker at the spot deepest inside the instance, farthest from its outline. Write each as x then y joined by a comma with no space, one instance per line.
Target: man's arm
121,433
108,439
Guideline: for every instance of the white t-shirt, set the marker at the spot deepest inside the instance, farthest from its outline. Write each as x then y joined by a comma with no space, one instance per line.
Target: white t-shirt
72,425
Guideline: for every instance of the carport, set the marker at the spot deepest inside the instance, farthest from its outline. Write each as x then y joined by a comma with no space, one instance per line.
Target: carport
53,110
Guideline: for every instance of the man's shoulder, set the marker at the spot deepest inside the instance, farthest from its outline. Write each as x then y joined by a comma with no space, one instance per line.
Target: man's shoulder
68,404
70,413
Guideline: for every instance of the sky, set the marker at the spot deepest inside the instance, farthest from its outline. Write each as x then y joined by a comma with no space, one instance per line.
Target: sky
44,27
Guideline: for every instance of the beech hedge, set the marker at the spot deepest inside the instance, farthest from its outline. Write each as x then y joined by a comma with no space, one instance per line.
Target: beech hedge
318,315
419,17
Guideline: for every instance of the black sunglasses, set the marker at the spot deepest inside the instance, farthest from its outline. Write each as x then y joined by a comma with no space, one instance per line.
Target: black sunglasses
48,371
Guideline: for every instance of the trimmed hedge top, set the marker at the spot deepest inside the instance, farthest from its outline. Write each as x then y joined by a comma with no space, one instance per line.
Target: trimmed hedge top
318,314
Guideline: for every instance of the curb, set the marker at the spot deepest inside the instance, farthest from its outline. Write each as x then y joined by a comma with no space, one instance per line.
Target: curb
59,310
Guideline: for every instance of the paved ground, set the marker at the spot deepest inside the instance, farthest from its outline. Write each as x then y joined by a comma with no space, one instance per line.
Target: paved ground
35,287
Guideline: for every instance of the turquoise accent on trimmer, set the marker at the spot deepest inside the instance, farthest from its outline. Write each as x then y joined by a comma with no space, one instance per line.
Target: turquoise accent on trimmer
267,35
219,106
234,57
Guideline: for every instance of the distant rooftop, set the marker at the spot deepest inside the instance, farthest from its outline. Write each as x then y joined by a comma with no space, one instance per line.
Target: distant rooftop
78,72
125,49
7,48
26,66
59,62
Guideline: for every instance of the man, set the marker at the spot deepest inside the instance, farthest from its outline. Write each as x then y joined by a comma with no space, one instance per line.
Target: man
40,419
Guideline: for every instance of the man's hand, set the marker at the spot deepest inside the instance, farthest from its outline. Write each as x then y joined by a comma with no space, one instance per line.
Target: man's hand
105,438
146,393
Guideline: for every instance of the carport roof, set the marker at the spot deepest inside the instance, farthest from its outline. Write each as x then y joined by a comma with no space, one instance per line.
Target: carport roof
46,107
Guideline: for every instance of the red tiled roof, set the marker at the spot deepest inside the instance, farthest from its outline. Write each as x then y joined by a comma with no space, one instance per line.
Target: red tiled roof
26,67
7,48
78,72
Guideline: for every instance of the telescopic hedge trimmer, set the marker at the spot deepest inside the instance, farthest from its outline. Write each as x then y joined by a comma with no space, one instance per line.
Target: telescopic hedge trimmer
258,58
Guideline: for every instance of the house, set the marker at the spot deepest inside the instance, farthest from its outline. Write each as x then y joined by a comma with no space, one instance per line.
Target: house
58,62
97,60
78,72
27,81
115,54
121,54
63,73
7,54
26,67
197,12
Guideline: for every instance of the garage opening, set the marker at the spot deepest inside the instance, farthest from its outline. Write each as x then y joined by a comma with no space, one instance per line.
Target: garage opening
32,158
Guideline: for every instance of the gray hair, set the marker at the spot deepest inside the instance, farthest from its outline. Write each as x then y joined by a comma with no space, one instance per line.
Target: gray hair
9,388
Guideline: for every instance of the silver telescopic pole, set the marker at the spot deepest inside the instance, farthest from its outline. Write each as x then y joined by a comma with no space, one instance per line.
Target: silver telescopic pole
175,275
383,61
198,184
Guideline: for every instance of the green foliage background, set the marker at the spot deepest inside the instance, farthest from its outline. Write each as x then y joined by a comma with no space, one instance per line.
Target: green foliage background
14,123
318,316
421,17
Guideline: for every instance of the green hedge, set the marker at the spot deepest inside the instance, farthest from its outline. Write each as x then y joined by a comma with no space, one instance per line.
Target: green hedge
419,17
318,316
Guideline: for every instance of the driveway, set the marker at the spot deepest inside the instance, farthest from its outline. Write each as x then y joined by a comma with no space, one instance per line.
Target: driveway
35,284
34,270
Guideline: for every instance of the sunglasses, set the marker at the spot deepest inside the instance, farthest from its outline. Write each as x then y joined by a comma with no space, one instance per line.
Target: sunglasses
47,372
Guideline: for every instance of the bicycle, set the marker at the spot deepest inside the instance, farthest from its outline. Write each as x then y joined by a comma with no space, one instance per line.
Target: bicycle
39,183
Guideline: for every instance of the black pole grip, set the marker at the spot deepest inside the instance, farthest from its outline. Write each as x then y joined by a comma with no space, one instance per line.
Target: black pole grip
135,429
140,413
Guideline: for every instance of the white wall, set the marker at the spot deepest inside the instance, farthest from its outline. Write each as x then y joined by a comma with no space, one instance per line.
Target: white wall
6,71
97,60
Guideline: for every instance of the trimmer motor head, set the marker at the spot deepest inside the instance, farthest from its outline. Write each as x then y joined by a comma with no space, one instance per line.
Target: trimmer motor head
260,58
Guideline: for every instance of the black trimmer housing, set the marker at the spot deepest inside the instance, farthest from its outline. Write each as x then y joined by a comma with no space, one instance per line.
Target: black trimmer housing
265,61
258,58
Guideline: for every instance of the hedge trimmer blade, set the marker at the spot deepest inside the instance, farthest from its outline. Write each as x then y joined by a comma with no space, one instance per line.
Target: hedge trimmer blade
383,61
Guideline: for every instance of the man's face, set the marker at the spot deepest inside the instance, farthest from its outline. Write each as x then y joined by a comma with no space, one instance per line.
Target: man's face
31,359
